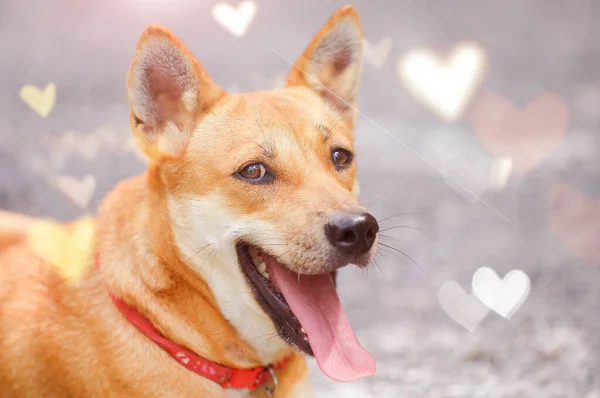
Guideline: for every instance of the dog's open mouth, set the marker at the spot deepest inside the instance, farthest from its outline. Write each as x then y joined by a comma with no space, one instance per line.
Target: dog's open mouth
307,313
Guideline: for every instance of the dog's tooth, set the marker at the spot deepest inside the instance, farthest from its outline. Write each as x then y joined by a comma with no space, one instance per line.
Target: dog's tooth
305,338
262,269
302,330
259,263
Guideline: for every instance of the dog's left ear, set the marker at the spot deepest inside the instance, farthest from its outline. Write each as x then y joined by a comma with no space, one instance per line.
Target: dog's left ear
332,62
168,91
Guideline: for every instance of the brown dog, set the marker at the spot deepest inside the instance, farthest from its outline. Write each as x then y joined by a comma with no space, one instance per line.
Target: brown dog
213,272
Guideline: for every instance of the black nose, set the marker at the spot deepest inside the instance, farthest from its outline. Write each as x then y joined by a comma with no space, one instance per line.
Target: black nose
352,232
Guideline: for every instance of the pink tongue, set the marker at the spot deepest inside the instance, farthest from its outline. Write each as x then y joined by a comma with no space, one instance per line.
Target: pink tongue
317,306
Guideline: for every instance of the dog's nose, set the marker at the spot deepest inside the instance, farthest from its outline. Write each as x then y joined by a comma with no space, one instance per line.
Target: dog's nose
352,232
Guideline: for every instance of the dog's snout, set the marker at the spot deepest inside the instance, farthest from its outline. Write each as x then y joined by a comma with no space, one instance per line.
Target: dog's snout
352,232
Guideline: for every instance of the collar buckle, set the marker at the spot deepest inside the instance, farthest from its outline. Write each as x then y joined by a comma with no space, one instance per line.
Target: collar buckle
271,389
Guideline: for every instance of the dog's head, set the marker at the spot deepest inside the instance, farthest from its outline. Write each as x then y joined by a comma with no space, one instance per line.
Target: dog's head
261,188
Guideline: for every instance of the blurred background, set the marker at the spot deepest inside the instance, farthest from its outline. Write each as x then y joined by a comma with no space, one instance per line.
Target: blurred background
477,145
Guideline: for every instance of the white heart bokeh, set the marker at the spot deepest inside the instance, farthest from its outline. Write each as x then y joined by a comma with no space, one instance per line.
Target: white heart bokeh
503,296
376,54
465,309
444,85
236,20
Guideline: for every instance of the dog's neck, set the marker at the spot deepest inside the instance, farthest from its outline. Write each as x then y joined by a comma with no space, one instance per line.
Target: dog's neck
139,262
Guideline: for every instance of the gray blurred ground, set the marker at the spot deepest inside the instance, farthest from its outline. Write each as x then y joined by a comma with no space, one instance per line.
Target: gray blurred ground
551,346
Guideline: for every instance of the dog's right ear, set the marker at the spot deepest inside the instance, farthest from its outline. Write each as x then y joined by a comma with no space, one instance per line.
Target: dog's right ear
168,92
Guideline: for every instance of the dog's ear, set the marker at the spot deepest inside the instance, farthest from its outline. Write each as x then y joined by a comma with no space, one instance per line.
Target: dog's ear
168,92
332,62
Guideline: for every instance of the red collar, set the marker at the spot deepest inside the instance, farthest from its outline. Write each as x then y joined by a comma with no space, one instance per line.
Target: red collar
227,377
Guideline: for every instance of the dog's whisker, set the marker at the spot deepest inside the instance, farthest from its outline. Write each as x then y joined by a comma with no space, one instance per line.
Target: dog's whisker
200,250
391,237
286,252
405,255
375,262
268,336
293,261
404,226
399,215
380,254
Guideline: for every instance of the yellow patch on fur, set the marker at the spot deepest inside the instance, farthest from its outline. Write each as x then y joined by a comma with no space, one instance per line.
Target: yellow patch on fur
66,247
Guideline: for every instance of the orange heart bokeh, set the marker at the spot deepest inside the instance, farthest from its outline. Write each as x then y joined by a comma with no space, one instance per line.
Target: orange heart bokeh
525,135
575,219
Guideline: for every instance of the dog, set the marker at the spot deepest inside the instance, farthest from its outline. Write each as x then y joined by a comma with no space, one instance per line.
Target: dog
213,273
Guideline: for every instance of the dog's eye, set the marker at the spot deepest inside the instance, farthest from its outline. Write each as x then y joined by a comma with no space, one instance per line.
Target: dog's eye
256,172
341,158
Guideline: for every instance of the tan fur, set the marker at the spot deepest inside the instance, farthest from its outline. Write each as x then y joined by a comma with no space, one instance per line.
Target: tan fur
60,339
13,228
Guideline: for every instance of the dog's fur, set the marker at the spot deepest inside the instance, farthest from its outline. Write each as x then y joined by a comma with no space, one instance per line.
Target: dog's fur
166,238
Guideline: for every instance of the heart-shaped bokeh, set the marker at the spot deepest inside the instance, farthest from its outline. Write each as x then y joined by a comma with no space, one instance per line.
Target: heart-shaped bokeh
575,219
40,101
525,135
66,247
444,85
235,19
